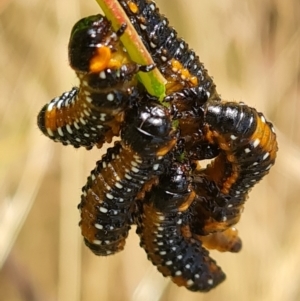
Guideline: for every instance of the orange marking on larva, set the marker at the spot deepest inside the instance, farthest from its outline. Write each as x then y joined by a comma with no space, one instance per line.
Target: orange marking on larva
187,202
211,225
194,80
176,65
224,241
100,60
133,7
50,119
164,150
267,138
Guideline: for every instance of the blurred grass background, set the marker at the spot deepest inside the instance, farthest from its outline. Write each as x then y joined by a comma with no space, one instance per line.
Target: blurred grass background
251,48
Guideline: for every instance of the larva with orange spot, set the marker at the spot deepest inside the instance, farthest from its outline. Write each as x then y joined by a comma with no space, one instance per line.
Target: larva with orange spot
248,150
94,113
163,226
111,189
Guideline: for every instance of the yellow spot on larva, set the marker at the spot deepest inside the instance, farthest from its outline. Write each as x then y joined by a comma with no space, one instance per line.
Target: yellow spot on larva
100,60
133,7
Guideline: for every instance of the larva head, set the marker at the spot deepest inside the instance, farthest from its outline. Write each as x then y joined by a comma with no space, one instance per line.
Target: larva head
230,118
88,42
173,191
148,130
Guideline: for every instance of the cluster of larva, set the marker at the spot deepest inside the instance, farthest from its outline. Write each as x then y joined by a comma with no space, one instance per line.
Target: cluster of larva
152,177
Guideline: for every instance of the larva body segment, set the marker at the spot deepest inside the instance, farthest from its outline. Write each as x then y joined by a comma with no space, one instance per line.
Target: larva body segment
172,55
248,149
163,226
113,185
94,113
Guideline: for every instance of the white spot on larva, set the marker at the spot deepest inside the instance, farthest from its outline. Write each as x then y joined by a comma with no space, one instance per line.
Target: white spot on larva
59,103
232,137
86,135
134,169
143,27
102,75
229,205
121,200
98,226
118,185
256,173
104,165
69,129
60,132
107,242
50,133
78,139
84,193
102,116
256,142
160,243
103,210
128,177
197,276
99,126
163,58
210,281
187,266
179,257
50,106
96,242
110,97
253,181
190,282
171,241
84,83
88,99
269,166
237,192
128,189
159,235
160,228
255,163
82,121
224,218
163,253
133,163
159,157
179,222
86,112
118,178
266,155
169,262
108,252
162,218
152,45
152,6
109,196
93,177
263,119
77,127
272,129
155,166
247,150
178,273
